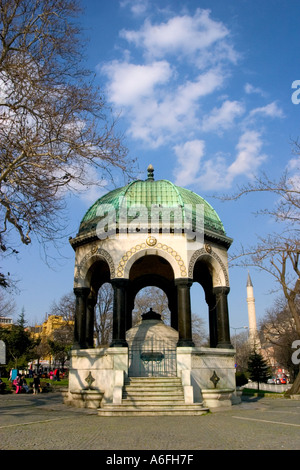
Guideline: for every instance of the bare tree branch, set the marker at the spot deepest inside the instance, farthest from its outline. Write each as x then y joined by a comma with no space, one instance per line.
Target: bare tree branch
56,132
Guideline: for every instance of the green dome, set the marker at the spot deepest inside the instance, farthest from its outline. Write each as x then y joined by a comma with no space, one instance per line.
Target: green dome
151,194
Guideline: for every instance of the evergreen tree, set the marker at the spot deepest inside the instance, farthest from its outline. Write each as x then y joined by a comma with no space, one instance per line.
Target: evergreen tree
19,344
258,368
21,322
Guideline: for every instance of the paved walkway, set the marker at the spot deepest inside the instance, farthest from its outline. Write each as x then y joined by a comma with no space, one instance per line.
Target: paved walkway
43,422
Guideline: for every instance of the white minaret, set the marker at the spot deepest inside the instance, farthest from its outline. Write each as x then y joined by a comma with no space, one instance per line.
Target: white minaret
253,336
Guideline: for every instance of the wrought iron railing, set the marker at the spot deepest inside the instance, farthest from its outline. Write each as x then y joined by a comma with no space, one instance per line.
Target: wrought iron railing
152,358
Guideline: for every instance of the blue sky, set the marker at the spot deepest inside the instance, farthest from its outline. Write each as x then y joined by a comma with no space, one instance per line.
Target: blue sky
203,90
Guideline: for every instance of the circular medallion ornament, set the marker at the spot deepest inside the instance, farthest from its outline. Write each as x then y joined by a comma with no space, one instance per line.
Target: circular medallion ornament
151,241
207,248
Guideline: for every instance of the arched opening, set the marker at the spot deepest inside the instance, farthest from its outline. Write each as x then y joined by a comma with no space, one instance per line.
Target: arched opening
205,274
151,341
97,273
103,316
153,271
202,288
151,297
199,308
151,265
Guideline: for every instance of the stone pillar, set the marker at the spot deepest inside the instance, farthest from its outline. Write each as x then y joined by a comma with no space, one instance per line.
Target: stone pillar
90,318
184,312
129,307
81,294
222,317
119,312
212,315
172,304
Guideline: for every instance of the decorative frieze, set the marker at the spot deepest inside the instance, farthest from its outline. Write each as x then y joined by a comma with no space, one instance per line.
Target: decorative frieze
151,241
208,251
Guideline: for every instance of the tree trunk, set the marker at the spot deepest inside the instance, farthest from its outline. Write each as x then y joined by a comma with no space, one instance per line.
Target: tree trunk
294,312
295,389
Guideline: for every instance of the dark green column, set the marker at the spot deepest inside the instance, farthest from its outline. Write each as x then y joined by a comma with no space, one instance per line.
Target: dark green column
90,319
184,312
212,315
119,312
222,316
129,306
81,294
174,310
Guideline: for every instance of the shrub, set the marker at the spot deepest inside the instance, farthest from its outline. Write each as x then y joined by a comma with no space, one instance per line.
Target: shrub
240,379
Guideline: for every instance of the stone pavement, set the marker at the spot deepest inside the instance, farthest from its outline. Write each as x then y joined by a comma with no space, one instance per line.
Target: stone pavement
43,422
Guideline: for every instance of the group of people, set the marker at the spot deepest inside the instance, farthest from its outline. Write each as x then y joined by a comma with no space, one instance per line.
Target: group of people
21,384
54,375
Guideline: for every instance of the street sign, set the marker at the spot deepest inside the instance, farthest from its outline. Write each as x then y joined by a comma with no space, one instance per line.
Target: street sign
2,352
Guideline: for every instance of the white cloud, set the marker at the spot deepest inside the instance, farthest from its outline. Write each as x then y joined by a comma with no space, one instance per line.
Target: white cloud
223,117
156,106
217,173
249,89
249,156
189,156
186,35
129,83
164,92
294,164
173,113
137,7
270,110
158,101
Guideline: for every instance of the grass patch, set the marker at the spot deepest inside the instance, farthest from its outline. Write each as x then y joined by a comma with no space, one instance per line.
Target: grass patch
55,385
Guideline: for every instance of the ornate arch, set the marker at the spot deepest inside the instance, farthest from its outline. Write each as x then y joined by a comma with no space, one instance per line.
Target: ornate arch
165,250
89,259
208,252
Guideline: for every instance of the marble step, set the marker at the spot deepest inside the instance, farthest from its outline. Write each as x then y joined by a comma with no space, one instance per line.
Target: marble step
152,396
151,410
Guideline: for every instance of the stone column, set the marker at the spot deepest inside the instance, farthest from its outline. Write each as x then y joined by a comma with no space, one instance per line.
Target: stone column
172,304
212,315
184,312
90,318
129,306
222,317
81,294
119,312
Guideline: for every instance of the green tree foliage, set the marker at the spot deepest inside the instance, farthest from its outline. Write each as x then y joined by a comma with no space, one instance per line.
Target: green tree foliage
19,344
60,350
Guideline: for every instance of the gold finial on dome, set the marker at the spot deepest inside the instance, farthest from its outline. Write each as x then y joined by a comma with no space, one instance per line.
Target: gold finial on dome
150,170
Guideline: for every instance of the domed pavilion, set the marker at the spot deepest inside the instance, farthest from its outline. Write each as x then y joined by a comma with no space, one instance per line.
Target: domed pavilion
152,233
